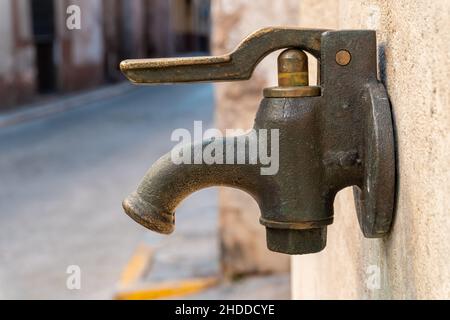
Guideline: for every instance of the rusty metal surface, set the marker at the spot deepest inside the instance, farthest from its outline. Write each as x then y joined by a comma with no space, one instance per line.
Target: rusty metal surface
342,137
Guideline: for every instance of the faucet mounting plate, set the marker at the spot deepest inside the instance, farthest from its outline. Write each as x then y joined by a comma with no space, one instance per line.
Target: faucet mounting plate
351,91
376,198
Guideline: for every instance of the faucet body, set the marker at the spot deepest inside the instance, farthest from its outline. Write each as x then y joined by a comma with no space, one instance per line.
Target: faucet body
296,203
342,136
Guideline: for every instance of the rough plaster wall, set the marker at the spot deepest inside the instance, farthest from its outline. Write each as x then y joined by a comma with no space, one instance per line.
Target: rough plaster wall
415,65
243,238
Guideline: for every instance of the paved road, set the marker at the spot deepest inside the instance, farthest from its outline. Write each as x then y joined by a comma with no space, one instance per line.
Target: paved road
62,182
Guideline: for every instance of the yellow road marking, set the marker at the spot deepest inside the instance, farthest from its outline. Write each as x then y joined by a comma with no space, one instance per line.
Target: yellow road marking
168,289
137,266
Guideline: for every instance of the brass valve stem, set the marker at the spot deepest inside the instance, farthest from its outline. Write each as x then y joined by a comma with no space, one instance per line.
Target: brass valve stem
293,68
293,77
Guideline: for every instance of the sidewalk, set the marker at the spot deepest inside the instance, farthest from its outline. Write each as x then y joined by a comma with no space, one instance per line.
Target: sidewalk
64,175
60,104
186,264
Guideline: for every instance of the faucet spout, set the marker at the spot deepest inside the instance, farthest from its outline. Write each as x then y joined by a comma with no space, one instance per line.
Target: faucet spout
296,200
167,184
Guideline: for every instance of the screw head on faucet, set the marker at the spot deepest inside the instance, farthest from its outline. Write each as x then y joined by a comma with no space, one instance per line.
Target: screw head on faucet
343,57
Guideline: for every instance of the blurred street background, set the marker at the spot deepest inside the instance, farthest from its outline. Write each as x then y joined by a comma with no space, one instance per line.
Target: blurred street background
63,180
76,138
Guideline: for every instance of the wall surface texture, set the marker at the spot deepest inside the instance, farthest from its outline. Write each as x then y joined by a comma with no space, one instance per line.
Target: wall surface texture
243,238
414,45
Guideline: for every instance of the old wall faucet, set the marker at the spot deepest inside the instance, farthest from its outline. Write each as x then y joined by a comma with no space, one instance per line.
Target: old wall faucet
331,136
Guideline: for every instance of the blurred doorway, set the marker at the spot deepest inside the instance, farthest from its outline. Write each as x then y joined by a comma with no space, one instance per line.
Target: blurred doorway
43,22
159,28
191,22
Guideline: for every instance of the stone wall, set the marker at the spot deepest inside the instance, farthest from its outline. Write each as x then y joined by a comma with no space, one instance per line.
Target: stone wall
414,63
243,238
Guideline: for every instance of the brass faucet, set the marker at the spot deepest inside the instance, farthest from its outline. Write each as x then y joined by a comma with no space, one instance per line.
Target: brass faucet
331,136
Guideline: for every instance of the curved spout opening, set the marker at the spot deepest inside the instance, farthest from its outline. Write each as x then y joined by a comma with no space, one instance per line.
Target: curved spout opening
167,184
148,215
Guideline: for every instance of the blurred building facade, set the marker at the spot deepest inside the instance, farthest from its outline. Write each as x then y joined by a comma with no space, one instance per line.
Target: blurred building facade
39,54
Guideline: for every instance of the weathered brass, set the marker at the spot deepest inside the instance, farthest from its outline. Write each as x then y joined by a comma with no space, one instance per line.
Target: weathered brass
292,92
343,57
340,135
293,69
293,77
238,65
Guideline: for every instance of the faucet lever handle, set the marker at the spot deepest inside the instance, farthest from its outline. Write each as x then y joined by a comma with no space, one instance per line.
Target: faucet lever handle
238,65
